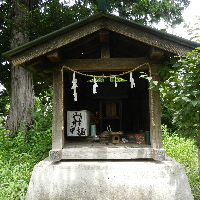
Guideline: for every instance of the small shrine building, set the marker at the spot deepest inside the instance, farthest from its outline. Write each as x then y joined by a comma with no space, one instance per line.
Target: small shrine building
96,66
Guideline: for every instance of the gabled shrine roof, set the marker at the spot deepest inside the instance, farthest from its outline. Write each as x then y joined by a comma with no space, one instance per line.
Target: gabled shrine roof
81,40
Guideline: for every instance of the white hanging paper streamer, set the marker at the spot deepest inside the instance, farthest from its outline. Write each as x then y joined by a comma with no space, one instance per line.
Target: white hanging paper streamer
95,86
75,95
132,80
74,86
109,128
115,82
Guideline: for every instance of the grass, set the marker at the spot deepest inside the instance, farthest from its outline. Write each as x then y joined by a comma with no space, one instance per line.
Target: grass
17,159
186,153
19,155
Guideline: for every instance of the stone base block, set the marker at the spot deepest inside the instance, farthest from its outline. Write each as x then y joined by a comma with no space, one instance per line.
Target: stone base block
109,180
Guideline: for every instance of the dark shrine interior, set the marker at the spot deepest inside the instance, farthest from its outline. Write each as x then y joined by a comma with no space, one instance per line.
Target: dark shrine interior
122,108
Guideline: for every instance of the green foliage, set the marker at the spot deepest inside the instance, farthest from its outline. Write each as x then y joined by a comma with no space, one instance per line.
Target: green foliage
193,29
18,155
186,153
4,103
153,84
180,91
98,80
118,79
181,95
4,66
112,79
52,15
148,11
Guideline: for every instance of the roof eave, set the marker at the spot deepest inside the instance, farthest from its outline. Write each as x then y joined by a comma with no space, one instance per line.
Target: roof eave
87,20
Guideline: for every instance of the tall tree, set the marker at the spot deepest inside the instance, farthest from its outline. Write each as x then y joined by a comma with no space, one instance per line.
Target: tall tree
52,14
22,93
146,12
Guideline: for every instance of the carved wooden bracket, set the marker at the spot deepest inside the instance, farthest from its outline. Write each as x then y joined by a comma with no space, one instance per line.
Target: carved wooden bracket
155,53
54,56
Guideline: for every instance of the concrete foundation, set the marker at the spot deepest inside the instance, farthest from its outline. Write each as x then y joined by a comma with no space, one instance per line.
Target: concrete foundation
109,180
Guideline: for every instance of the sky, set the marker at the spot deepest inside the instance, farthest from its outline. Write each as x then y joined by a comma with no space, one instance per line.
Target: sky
189,15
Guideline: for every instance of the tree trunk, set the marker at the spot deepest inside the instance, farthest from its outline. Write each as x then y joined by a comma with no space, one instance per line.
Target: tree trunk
198,145
22,92
199,158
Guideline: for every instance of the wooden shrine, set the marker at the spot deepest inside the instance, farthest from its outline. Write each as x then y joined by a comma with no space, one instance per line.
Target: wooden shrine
78,58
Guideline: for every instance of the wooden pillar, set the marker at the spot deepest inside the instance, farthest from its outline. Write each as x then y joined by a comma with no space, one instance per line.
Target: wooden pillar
58,109
155,111
105,47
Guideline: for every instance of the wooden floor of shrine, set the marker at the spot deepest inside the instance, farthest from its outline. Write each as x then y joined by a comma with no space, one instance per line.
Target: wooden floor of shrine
108,145
91,142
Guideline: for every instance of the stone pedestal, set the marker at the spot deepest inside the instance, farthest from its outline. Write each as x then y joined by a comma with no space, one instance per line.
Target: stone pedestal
109,180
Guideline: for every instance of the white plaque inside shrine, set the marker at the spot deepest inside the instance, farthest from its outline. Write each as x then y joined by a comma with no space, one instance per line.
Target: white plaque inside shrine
78,123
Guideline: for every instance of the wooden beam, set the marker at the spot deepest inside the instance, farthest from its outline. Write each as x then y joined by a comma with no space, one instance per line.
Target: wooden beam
155,111
156,53
108,64
58,110
105,50
104,36
54,56
105,47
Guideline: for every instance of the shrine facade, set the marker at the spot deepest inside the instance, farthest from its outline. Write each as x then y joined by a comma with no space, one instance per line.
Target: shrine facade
98,67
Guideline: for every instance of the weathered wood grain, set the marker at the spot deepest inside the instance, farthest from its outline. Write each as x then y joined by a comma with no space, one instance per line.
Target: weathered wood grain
108,64
54,56
58,110
155,111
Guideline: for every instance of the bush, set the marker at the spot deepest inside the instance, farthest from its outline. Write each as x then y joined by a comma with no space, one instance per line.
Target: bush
185,152
18,155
